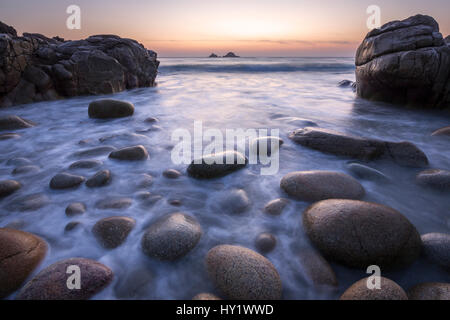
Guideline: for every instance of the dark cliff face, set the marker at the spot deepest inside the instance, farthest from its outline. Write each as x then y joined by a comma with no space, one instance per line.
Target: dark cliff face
36,68
405,62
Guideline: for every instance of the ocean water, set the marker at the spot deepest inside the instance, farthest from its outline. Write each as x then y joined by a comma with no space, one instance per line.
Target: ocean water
247,93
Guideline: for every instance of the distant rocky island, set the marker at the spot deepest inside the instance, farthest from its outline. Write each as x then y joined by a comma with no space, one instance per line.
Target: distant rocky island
228,55
36,68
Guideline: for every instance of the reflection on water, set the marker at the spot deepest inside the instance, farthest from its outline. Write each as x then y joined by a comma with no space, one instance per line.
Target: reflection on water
243,93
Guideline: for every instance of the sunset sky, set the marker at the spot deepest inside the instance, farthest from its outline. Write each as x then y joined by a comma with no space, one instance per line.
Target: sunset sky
199,27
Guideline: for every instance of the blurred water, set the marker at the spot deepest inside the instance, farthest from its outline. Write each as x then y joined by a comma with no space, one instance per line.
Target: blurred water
224,94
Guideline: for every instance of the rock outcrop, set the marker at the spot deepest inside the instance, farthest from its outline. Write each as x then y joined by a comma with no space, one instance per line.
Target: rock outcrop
35,68
405,62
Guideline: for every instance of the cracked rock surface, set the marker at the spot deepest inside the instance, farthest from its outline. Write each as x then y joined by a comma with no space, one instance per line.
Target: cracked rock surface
35,68
405,62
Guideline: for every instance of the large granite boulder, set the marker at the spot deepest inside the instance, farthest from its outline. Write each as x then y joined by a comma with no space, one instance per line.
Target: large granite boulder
342,144
36,68
405,62
360,234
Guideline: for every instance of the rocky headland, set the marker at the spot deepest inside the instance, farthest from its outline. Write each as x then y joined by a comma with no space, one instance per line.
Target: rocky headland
36,68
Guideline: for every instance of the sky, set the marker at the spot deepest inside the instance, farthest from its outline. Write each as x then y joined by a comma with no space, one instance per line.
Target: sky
184,28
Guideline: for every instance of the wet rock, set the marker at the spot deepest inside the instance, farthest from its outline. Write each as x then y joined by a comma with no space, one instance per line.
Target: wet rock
366,172
389,291
316,269
171,237
30,202
242,274
20,253
75,208
9,136
298,122
405,62
130,154
265,242
94,152
51,283
175,202
72,226
114,203
108,108
435,179
321,185
265,145
236,201
430,291
8,187
151,120
113,231
18,162
14,123
145,181
172,174
206,296
345,84
342,144
134,285
66,181
100,179
276,207
442,132
359,234
86,164
25,170
436,248
215,166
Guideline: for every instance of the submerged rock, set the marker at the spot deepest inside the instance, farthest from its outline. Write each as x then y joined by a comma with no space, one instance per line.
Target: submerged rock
114,203
389,291
86,164
66,181
430,291
445,132
242,274
316,269
20,253
265,242
217,165
94,152
25,170
206,296
14,123
405,62
359,234
171,174
8,187
109,108
321,185
36,68
366,172
100,179
276,207
436,248
72,226
51,283
135,284
130,153
342,144
435,179
30,202
112,232
9,136
75,208
264,145
171,237
235,201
